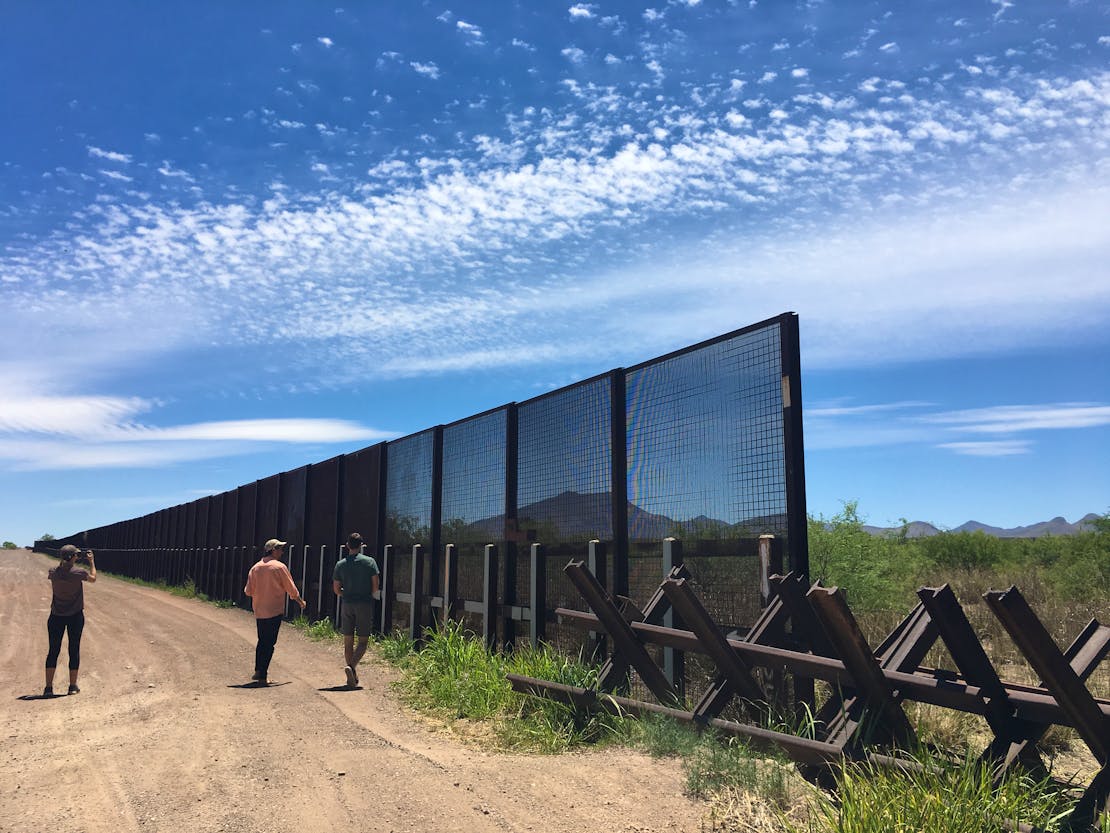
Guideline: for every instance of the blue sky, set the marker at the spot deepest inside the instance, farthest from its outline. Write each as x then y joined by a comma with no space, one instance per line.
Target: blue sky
239,237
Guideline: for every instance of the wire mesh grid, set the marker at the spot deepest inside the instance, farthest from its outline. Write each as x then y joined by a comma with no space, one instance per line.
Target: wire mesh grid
564,476
705,442
408,501
473,502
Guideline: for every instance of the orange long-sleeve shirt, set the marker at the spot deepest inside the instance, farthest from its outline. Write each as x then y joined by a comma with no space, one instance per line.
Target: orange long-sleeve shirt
268,582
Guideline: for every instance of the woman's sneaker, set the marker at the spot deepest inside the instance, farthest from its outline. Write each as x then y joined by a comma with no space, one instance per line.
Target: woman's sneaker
352,677
73,689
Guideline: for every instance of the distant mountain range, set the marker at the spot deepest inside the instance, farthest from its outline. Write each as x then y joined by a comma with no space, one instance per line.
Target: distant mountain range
1057,526
577,516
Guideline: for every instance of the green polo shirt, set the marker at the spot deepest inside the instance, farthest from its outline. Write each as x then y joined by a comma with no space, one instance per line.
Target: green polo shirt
355,573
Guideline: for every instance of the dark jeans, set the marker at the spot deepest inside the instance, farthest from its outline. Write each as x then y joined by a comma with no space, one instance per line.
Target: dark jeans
267,639
56,626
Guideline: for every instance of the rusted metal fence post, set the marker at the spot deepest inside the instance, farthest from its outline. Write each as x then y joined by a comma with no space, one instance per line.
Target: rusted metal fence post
537,596
674,661
416,594
489,595
450,582
388,591
596,563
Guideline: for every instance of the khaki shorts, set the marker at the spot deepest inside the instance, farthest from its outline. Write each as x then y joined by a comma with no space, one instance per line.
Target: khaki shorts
356,617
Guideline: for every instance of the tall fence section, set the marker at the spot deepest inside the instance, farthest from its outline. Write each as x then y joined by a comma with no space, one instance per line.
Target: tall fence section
703,445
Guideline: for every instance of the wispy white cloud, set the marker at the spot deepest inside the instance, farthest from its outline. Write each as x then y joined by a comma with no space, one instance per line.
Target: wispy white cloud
470,30
428,69
110,155
581,11
908,238
996,448
326,42
840,425
1012,419
72,432
821,411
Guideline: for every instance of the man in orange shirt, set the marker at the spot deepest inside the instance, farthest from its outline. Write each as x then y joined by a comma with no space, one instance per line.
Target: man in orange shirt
268,583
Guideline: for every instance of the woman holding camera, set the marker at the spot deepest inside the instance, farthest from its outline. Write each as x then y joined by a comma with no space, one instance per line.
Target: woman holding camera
67,613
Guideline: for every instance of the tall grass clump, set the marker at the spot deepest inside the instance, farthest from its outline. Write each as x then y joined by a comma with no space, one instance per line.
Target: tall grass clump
318,631
549,726
718,764
455,676
932,796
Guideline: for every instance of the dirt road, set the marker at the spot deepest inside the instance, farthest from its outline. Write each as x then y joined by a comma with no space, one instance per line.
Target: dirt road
165,735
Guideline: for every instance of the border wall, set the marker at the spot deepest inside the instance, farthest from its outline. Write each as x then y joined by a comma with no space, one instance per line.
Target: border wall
701,448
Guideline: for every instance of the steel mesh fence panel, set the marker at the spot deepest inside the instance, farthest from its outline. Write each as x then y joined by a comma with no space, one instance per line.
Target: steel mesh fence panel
293,493
245,503
473,495
473,501
471,561
408,508
322,530
361,497
203,513
706,463
268,493
229,532
248,548
408,501
189,528
564,485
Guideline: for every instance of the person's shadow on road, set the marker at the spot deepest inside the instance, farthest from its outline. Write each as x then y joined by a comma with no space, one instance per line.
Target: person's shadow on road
256,684
40,696
341,688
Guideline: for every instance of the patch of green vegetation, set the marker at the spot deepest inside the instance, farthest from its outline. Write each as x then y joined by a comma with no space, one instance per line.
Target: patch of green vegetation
186,590
933,796
881,573
318,631
454,676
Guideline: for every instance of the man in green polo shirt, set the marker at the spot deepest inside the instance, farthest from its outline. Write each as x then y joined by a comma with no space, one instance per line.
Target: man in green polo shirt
355,581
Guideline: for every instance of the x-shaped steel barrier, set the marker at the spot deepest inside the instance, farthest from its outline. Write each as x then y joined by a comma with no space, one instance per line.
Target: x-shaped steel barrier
863,718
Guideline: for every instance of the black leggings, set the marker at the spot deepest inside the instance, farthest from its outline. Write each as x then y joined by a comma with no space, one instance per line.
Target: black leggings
267,638
56,627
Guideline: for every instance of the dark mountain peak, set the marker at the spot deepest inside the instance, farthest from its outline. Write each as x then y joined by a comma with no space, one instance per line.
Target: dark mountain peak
1057,526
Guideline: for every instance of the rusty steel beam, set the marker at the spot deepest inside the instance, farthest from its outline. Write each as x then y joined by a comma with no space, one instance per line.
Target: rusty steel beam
803,750
625,641
1039,649
713,642
614,671
867,676
792,589
1012,737
903,648
924,685
717,696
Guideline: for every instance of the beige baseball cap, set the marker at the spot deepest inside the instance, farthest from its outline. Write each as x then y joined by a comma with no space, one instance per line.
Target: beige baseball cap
274,543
